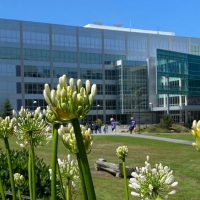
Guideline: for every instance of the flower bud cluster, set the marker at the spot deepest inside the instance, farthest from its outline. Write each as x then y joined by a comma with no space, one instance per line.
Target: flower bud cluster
6,127
196,134
152,183
69,139
19,180
69,171
31,123
68,101
122,152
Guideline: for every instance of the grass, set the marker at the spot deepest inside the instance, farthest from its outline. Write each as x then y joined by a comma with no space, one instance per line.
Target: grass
184,160
181,136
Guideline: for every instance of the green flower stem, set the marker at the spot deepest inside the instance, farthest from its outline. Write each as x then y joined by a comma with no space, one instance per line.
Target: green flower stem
19,195
32,167
125,178
2,190
61,183
84,191
54,159
67,190
83,160
30,175
10,168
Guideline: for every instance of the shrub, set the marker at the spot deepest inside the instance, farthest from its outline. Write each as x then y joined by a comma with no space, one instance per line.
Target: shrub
20,165
166,121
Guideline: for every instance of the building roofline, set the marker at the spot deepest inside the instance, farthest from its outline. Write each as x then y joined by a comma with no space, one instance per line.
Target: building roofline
116,28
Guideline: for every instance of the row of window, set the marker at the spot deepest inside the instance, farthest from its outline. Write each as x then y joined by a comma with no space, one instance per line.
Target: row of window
7,70
90,42
194,49
35,38
63,40
34,88
33,104
110,104
58,56
173,100
7,86
37,88
91,74
44,71
9,35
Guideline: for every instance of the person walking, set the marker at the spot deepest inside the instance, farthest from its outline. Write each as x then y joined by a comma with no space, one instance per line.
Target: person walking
105,128
132,125
113,124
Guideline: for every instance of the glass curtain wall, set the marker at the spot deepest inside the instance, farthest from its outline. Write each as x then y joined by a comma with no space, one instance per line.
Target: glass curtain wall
132,86
183,71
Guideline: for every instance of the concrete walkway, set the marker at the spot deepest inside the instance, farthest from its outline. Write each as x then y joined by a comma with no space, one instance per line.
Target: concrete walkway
147,137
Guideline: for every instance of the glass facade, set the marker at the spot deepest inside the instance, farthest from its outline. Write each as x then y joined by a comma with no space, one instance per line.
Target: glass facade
182,70
132,86
130,69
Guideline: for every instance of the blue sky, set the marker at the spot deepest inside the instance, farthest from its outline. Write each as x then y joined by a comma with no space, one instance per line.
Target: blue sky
179,16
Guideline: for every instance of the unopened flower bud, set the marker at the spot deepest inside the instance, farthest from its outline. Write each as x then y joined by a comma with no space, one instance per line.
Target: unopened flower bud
14,114
79,84
94,90
87,86
74,96
63,93
62,81
91,99
71,83
53,96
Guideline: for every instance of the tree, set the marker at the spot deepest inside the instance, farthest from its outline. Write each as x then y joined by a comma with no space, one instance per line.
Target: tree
7,109
166,121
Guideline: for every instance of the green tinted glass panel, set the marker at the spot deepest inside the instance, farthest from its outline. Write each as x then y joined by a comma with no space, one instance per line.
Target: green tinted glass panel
182,70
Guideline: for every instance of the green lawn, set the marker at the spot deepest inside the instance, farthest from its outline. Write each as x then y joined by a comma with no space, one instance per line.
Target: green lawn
181,136
184,160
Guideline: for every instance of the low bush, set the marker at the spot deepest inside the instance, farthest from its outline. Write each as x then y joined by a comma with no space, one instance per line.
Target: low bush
166,121
20,165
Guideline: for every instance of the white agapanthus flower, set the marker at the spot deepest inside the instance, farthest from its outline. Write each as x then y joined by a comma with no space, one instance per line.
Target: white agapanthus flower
152,183
31,125
19,180
69,171
69,101
6,127
122,152
69,139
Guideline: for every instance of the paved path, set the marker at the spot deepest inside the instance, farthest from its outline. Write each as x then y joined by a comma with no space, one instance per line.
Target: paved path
148,137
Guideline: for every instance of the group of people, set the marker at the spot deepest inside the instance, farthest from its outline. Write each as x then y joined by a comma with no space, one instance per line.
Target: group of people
96,128
131,126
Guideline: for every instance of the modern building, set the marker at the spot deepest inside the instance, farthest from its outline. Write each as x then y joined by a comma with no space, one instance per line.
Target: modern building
138,73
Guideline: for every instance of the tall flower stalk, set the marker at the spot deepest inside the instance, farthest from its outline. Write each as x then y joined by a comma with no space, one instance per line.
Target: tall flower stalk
2,190
122,152
70,174
71,103
31,131
69,140
54,159
7,130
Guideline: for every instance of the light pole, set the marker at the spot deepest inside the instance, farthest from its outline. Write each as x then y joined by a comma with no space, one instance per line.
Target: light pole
180,114
34,103
138,95
97,110
151,104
